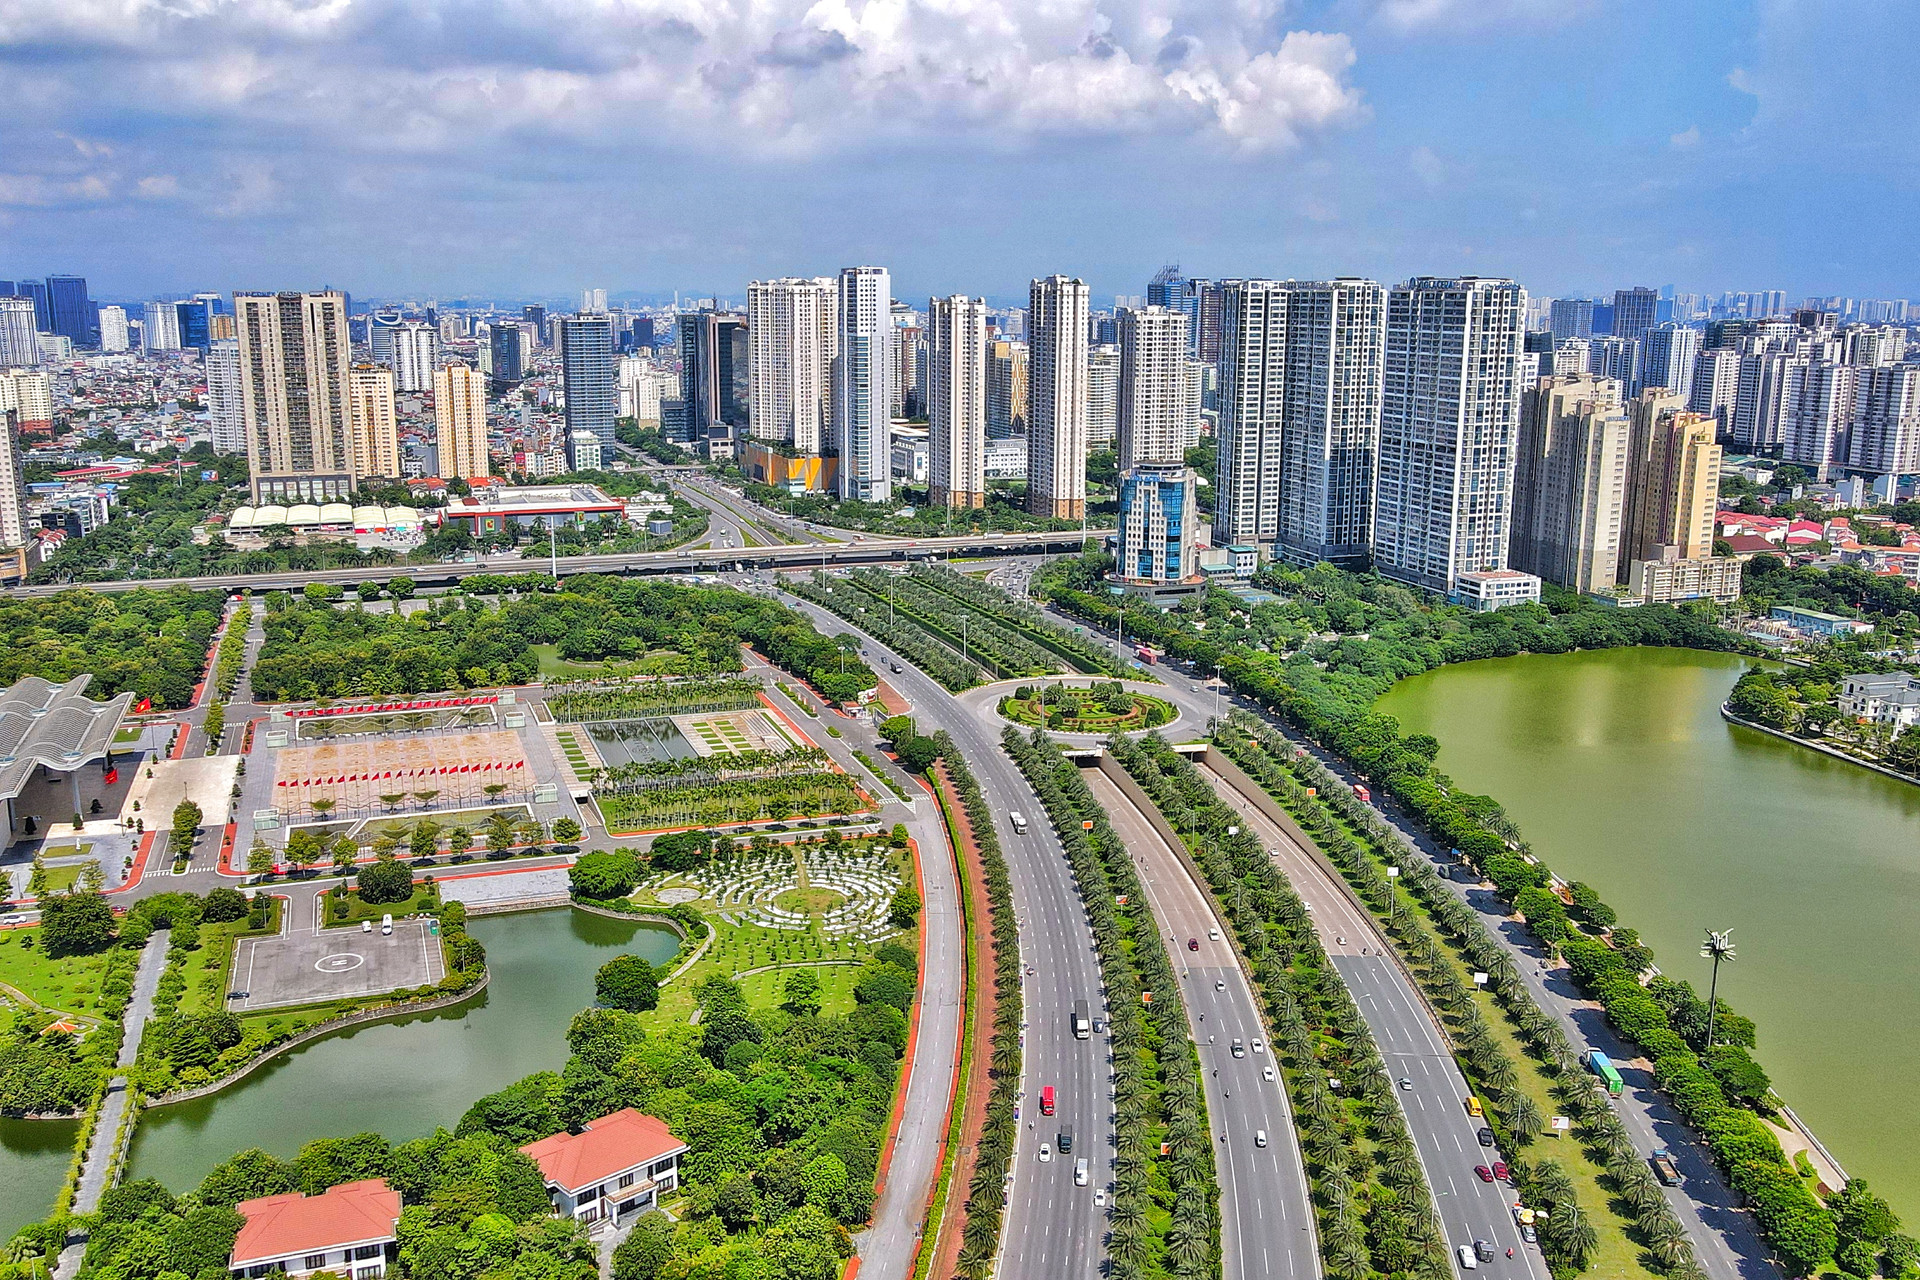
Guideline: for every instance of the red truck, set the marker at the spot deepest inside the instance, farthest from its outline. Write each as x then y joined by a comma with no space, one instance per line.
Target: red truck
1046,1101
1361,794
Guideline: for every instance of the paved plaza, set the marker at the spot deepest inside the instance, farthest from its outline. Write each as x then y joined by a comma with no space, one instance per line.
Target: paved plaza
307,967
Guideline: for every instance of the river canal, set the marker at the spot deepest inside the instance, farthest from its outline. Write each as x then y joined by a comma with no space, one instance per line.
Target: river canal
1620,772
403,1078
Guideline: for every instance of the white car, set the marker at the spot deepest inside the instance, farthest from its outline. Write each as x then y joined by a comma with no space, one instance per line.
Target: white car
1266,1072
366,926
1100,1198
1259,1046
1259,1137
1214,934
1046,1152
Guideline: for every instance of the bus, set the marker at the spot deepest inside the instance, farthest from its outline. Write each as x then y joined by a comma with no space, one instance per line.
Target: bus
1602,1066
1046,1101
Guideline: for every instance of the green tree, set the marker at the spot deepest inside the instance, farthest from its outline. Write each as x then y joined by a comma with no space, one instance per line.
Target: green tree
566,830
647,1248
904,911
384,880
604,876
75,923
806,1245
800,992
627,982
223,904
917,754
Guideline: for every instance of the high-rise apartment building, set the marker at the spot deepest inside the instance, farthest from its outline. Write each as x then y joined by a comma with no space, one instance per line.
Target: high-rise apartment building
862,383
160,327
460,421
1103,396
1153,386
13,483
588,375
1007,398
113,329
28,395
19,339
1884,435
790,342
1673,482
1449,423
294,360
593,302
416,354
1157,519
909,365
957,401
1571,318
1634,312
226,420
376,426
1252,397
1202,380
1715,389
1570,483
715,386
1329,419
1667,356
1873,345
505,338
1057,398
1816,412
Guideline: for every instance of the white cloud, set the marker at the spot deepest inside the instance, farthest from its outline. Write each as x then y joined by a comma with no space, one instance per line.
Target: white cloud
769,76
160,186
1427,166
1686,139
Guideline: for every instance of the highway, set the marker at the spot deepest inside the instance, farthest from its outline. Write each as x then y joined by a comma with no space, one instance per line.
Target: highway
1433,1091
1052,1228
1266,1216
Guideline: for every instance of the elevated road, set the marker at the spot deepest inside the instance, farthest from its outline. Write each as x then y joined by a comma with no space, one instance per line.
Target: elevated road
676,560
1266,1217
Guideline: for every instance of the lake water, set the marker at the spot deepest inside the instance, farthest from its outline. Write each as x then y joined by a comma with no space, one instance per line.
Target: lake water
34,1155
405,1077
1620,772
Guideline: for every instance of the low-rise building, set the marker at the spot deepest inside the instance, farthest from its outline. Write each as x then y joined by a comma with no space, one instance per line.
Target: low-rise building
1489,589
618,1164
348,1230
1715,578
1812,622
1893,698
494,507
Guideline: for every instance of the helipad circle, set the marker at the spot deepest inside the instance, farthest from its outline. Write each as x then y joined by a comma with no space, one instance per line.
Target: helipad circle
344,962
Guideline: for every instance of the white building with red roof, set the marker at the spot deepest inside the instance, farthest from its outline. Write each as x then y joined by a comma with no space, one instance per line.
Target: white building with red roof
618,1164
348,1230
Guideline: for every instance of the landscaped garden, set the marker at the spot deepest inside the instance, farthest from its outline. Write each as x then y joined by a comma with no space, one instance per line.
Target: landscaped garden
1102,708
639,700
732,800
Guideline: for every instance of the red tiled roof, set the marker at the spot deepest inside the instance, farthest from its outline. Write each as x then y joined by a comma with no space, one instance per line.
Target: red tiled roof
1747,544
284,1225
609,1145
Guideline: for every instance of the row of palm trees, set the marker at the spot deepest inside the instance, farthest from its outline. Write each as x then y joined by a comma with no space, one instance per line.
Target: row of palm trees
1375,1213
1169,1091
1566,1233
980,1237
642,775
908,639
386,721
574,704
1087,656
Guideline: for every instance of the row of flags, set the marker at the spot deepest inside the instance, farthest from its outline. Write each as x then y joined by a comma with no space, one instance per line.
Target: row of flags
401,773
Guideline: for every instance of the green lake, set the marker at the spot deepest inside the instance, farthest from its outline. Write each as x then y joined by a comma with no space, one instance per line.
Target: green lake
403,1078
1620,772
34,1155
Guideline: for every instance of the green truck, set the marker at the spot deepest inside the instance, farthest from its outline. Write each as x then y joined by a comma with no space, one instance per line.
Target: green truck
1602,1066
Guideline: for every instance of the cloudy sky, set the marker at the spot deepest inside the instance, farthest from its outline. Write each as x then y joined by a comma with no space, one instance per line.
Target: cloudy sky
509,148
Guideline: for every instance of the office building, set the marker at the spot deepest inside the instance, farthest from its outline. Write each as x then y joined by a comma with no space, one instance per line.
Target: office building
113,329
593,302
1449,423
1667,356
588,376
1057,398
160,327
535,317
715,364
225,418
381,326
1103,396
294,360
505,340
71,310
1716,387
1570,483
1153,386
1329,419
790,343
36,292
1673,482
1634,312
19,339
862,383
1571,318
1672,580
1485,590
957,401
195,318
1157,518
460,422
1007,369
1884,435
28,395
416,354
376,427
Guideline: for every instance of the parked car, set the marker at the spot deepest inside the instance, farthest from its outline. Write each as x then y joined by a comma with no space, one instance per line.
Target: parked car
1528,1234
1480,1171
386,923
366,926
1501,1171
1486,1136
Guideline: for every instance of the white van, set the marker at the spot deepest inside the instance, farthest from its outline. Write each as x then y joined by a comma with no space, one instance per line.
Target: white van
1080,1172
1019,821
1467,1261
1259,1137
386,923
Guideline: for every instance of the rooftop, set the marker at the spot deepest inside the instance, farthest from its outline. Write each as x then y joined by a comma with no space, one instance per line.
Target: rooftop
42,723
532,498
609,1145
284,1225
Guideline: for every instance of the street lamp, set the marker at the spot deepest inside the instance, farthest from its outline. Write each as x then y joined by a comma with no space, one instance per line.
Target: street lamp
1717,947
963,620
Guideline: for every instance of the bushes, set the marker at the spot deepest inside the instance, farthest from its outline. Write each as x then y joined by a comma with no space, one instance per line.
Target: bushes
603,876
384,880
629,983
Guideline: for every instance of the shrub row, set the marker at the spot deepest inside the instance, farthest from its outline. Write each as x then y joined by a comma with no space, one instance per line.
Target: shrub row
910,640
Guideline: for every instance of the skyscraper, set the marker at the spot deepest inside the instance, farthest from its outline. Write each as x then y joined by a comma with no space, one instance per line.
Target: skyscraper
28,394
1153,386
416,353
862,390
593,302
1571,318
504,340
19,339
294,356
460,421
1157,515
589,376
1634,312
1329,419
957,401
790,343
1884,436
715,376
1816,410
225,417
195,318
1103,396
376,428
71,310
1007,370
1673,483
1667,356
160,327
1057,398
1449,423
535,317
113,329
380,330
1570,483
13,482
1715,389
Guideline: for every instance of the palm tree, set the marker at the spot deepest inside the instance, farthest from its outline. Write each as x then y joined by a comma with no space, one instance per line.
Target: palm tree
323,805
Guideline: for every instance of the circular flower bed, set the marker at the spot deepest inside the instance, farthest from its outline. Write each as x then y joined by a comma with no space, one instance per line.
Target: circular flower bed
1102,708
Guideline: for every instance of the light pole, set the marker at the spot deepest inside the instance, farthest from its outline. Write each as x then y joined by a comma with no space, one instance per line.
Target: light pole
1717,947
963,620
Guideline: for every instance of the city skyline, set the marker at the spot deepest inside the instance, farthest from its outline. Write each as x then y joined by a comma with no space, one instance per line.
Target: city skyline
1350,138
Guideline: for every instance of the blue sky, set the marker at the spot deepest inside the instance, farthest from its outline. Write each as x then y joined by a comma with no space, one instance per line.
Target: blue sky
525,148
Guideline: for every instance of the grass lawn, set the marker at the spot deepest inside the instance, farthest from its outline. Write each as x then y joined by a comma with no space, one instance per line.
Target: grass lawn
126,734
205,968
423,900
60,879
553,666
764,990
810,901
473,820
71,984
